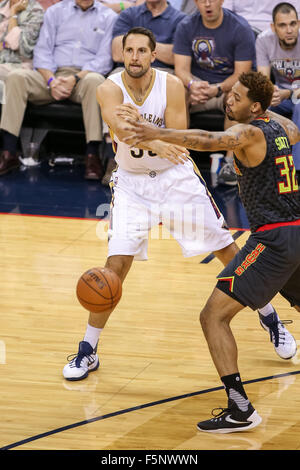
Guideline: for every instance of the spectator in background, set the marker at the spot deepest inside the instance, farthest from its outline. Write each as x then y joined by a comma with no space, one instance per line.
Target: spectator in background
71,58
212,48
47,3
189,7
258,13
20,23
278,50
120,6
156,15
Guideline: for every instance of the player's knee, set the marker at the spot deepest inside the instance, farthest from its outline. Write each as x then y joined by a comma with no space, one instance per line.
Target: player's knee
206,318
120,264
213,315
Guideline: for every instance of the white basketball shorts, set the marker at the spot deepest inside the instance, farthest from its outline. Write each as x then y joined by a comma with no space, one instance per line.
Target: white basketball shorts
177,198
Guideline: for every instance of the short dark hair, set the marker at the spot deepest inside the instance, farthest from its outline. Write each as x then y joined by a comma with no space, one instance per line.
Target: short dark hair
145,32
260,88
283,7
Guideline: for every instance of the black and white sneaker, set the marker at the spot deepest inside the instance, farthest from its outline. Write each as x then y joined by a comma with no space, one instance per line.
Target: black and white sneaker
80,364
284,343
230,420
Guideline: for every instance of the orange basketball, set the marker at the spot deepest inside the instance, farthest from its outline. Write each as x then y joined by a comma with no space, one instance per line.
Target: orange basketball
99,289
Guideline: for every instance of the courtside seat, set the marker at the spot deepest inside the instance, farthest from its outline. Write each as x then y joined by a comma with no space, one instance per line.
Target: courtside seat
55,116
55,121
208,120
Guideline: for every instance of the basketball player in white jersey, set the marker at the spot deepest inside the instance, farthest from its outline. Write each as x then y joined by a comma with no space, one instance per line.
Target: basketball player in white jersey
153,183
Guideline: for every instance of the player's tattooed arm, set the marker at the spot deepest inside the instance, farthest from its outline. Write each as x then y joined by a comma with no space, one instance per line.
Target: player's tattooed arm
291,129
234,138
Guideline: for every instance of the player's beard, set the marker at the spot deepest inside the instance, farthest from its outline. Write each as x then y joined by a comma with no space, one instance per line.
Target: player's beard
230,117
139,73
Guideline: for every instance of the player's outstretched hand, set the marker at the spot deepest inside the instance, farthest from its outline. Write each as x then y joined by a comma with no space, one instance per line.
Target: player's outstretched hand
140,131
128,111
174,153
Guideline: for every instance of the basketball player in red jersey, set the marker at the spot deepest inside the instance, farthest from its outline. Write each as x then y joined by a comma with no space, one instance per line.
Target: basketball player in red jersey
154,175
269,262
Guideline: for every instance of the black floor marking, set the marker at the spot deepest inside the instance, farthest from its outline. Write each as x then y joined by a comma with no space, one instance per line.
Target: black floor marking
139,407
210,257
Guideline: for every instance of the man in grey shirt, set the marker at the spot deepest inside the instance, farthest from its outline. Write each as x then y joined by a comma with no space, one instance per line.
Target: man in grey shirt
71,58
258,13
278,50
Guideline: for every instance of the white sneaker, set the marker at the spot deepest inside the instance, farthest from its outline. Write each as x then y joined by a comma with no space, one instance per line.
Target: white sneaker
85,361
284,343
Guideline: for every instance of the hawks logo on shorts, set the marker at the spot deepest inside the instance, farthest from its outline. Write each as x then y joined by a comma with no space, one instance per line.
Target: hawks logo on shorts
250,259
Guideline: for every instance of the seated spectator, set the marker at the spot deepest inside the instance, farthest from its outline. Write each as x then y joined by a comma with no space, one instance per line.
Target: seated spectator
258,13
156,15
20,23
278,50
212,48
71,58
120,6
47,3
189,7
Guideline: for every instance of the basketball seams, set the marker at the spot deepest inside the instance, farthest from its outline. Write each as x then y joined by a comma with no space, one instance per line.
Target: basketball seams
115,295
89,289
91,303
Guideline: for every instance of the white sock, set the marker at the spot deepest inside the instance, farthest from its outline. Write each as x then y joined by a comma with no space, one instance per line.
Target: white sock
92,335
266,310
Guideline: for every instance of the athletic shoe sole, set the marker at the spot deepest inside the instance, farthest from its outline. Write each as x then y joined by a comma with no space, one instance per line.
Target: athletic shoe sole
255,420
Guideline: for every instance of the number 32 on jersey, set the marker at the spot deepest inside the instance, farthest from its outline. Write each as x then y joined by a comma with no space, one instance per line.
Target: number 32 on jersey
288,171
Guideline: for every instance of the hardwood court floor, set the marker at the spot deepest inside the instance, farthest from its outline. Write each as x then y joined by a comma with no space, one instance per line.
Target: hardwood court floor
156,378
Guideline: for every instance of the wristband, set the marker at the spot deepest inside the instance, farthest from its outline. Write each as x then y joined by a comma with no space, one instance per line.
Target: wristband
15,16
49,81
3,44
122,6
190,84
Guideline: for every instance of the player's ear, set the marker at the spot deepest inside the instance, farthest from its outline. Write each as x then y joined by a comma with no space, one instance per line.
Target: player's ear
255,107
153,56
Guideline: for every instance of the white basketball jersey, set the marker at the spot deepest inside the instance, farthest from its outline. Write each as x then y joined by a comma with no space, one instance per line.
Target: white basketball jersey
153,110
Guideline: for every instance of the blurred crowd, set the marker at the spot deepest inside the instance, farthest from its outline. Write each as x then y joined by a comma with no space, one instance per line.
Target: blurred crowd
53,51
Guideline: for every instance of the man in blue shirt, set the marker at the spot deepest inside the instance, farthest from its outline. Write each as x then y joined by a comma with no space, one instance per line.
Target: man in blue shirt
212,47
71,58
156,15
